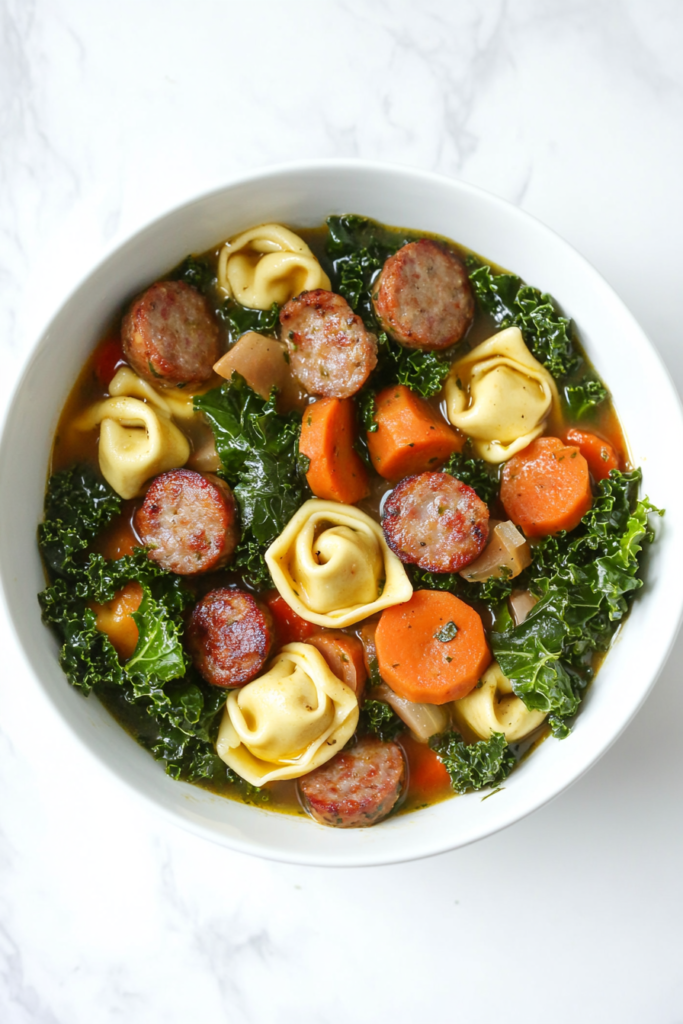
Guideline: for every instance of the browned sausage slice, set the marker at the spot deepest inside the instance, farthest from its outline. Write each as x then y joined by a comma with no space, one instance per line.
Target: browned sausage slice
423,296
229,637
169,335
436,522
359,786
331,352
189,520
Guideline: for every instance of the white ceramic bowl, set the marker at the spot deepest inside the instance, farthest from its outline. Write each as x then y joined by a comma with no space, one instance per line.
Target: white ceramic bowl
304,195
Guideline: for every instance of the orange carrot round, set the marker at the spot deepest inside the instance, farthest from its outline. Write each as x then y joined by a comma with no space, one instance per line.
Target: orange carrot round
336,471
600,455
411,436
115,618
344,655
432,648
546,487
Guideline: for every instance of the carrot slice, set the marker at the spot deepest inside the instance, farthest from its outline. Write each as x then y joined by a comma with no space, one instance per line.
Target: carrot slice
411,436
289,627
432,648
546,487
336,471
115,618
427,776
344,655
600,455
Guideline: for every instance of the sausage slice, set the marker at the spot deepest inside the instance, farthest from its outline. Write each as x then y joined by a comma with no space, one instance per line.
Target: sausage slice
331,352
435,521
359,786
229,637
423,296
189,520
169,335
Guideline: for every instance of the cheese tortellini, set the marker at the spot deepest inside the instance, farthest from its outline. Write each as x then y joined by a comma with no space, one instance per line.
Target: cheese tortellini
138,439
288,721
332,565
493,707
268,264
500,395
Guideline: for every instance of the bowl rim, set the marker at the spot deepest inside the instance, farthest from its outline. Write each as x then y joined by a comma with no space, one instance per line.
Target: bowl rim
263,175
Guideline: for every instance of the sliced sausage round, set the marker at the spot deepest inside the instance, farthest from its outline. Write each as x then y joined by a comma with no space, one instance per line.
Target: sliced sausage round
436,522
359,786
189,520
229,637
170,336
331,352
423,296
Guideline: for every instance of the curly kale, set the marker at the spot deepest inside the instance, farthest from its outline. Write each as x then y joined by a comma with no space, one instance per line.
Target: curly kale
476,473
513,304
585,581
156,678
240,319
259,453
195,272
474,766
583,397
378,718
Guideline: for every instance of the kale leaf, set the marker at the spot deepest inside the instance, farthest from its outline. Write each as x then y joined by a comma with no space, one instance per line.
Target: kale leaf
476,473
259,453
78,505
241,319
473,766
182,707
583,397
195,272
378,718
513,304
358,248
585,580
491,591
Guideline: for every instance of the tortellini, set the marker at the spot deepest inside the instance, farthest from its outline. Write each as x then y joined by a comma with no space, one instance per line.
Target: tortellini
500,396
332,565
493,707
138,439
268,264
288,721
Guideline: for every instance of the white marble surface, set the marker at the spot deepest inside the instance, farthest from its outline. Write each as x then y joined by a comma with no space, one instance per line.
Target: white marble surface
109,114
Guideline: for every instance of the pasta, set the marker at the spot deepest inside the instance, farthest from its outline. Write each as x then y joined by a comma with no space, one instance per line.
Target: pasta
495,708
268,264
332,565
288,721
138,440
500,396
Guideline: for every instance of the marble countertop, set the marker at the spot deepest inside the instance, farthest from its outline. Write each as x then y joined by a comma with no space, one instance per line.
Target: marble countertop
112,113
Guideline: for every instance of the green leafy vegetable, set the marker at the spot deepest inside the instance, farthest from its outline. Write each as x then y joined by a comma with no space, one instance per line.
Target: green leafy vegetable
259,453
195,272
585,580
512,304
583,397
447,633
378,718
358,248
476,473
182,708
78,505
241,319
491,591
473,766
367,408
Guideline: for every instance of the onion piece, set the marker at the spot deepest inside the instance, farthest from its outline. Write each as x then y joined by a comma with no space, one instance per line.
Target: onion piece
264,364
521,602
423,720
506,554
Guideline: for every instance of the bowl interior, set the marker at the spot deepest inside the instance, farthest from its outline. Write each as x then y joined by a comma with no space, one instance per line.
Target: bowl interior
301,196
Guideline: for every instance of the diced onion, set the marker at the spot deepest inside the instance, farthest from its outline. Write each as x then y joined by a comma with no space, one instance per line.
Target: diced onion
506,554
